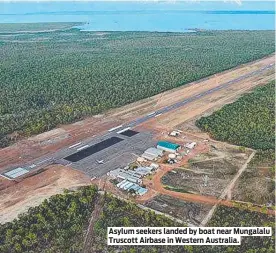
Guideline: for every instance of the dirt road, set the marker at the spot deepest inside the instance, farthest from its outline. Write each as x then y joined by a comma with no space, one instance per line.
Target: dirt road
228,190
156,186
88,241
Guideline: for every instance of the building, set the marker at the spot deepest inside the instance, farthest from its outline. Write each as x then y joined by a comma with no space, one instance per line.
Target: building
125,175
121,183
142,191
168,146
152,154
149,157
143,171
190,145
174,133
134,187
140,159
124,184
127,186
154,151
154,166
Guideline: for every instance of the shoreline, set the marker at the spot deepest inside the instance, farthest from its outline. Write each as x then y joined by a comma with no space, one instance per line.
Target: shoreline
79,26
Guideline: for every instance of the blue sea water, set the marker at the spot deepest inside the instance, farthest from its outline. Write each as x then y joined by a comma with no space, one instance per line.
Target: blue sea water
145,16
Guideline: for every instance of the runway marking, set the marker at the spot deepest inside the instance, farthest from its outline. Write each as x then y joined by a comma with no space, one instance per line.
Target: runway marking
151,113
125,129
83,147
114,128
77,144
158,115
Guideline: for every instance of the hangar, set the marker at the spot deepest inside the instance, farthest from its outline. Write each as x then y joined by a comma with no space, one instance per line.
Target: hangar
152,154
168,146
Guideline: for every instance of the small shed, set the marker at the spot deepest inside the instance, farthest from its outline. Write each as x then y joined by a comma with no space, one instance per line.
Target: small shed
174,133
142,191
154,166
190,145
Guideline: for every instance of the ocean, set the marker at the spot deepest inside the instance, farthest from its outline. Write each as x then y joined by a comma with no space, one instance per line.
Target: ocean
158,16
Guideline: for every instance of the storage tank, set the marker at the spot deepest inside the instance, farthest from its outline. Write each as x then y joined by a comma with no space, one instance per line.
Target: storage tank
172,156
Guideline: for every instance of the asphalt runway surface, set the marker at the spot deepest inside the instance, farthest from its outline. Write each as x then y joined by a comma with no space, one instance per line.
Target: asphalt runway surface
123,152
116,156
83,153
195,97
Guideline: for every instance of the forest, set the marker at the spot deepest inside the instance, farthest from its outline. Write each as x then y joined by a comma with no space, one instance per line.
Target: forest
248,122
241,217
56,77
60,224
9,28
54,226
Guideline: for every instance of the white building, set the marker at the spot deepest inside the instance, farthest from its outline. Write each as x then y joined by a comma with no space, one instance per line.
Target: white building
174,133
154,166
154,151
152,154
190,145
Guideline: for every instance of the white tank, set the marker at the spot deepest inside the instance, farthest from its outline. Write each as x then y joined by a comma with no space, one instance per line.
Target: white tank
172,156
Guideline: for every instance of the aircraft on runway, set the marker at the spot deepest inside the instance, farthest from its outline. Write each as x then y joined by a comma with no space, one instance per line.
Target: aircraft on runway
100,161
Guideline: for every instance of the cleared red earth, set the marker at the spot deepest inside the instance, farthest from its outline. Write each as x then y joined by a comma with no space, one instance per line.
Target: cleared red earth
17,197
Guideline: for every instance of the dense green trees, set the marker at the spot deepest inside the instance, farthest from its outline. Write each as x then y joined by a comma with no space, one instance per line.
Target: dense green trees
8,28
247,122
118,213
239,217
60,223
58,77
56,225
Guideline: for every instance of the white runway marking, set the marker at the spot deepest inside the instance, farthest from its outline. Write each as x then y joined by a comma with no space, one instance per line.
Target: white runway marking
158,115
83,147
114,128
77,144
125,129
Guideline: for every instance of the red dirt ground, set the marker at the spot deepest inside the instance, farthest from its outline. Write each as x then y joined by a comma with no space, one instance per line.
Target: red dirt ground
17,197
155,185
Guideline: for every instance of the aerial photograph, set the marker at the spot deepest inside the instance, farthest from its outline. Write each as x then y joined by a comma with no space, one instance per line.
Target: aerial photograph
137,113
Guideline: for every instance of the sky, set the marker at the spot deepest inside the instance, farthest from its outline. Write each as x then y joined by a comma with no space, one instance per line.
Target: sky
134,0
239,2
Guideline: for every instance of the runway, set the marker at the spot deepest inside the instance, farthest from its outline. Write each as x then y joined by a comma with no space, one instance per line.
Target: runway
137,143
195,97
